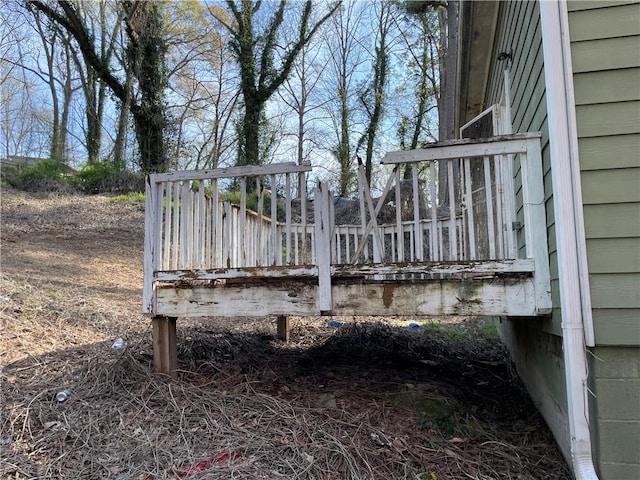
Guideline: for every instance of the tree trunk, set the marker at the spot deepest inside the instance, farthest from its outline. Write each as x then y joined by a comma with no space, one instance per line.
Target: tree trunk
446,125
119,159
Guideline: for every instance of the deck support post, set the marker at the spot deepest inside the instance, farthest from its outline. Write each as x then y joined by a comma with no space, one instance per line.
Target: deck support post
165,350
324,231
284,328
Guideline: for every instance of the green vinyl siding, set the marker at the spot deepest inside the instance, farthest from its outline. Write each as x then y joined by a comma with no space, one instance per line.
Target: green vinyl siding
622,186
618,220
621,21
617,326
605,54
535,344
591,4
614,255
617,151
615,290
606,65
607,86
605,119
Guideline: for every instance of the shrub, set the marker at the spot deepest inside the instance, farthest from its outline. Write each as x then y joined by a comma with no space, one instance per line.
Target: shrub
102,177
131,197
43,176
252,201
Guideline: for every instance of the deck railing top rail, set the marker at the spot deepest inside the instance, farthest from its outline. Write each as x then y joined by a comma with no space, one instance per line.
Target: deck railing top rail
453,149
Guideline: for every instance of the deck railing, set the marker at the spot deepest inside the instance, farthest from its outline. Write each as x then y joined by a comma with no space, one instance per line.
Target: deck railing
460,201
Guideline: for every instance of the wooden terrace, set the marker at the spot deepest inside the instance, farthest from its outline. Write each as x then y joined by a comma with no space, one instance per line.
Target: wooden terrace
268,249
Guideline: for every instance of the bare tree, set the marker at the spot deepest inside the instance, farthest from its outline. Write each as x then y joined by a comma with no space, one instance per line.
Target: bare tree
96,15
373,96
145,58
255,50
203,85
345,58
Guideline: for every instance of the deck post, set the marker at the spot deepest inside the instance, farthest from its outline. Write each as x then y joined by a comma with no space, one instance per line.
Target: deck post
322,206
284,328
165,350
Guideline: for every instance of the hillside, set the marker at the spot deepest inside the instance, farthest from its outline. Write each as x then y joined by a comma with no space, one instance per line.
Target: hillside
369,399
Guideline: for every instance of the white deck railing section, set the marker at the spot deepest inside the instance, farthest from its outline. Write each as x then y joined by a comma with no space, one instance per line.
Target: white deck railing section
461,201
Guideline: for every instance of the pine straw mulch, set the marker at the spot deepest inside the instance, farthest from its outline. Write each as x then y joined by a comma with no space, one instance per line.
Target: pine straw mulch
367,400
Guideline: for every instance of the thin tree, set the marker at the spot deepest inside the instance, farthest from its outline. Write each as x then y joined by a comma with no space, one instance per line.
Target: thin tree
373,97
345,58
256,52
145,57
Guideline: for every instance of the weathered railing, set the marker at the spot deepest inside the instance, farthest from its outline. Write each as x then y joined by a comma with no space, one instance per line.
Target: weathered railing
456,208
193,231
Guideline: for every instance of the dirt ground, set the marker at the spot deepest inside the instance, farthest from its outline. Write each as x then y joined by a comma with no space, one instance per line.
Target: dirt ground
369,399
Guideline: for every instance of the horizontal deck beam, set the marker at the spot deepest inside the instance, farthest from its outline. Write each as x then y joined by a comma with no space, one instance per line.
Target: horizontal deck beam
485,296
523,267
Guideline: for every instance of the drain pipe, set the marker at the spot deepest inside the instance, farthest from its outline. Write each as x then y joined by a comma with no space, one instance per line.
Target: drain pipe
569,234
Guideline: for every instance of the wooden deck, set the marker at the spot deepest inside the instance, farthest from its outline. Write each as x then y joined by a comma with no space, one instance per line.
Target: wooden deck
213,247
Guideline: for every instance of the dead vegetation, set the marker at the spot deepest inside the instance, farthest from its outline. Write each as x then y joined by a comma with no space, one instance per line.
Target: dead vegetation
371,399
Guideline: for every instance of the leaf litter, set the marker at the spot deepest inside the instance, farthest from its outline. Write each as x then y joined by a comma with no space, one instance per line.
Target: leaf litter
373,398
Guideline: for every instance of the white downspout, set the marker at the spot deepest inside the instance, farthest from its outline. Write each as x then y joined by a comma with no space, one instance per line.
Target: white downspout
569,226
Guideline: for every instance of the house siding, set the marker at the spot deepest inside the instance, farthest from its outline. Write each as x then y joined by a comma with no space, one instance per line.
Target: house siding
605,37
535,344
606,59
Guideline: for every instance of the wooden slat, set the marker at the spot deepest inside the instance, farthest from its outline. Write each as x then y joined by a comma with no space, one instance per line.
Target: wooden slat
242,218
489,206
435,243
232,172
494,297
471,226
215,213
535,222
373,212
149,264
452,149
323,246
288,217
418,238
166,224
399,250
274,221
453,244
497,170
303,219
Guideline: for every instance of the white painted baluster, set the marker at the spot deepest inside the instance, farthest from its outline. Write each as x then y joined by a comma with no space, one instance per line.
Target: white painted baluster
453,244
418,238
184,215
363,218
274,224
489,208
303,220
175,240
497,170
215,232
226,234
435,234
510,208
242,221
202,225
399,232
287,182
260,257
471,226
322,205
166,249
